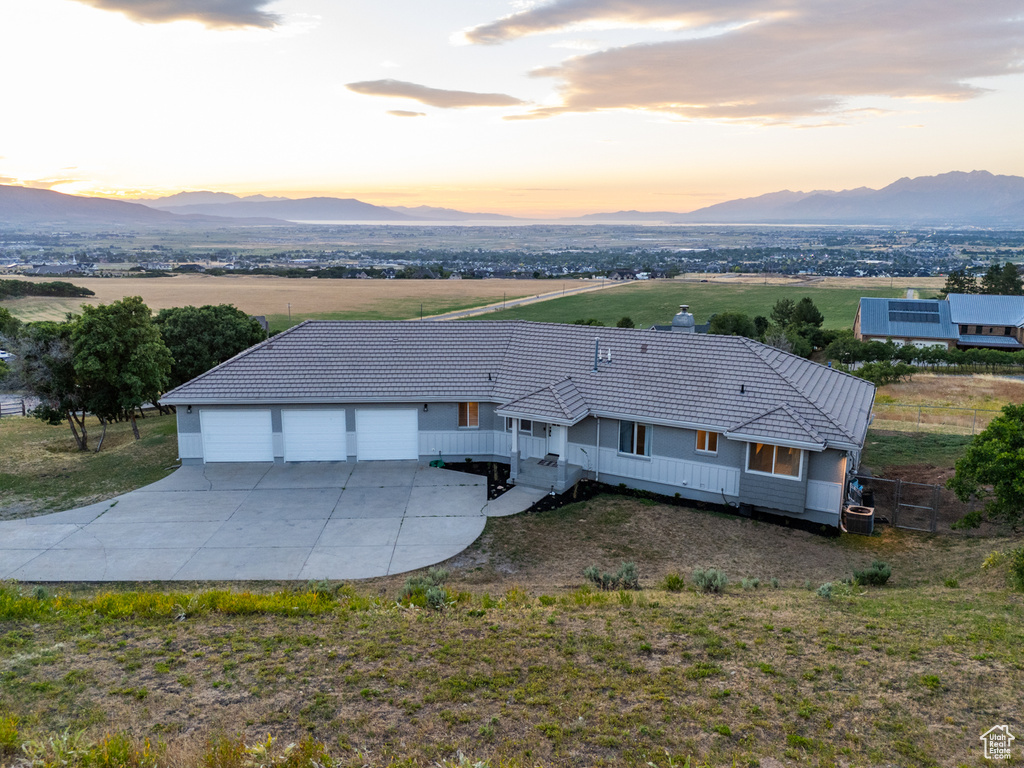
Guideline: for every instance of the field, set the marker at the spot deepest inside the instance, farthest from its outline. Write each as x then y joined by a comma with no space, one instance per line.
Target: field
270,296
655,302
527,667
646,302
43,471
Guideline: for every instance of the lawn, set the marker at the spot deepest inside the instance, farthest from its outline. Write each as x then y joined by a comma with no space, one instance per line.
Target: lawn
43,471
655,302
525,666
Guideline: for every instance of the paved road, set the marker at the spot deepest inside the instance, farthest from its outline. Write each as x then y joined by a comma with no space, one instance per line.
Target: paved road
499,305
330,520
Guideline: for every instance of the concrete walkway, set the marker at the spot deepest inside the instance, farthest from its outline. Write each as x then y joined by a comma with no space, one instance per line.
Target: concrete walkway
262,521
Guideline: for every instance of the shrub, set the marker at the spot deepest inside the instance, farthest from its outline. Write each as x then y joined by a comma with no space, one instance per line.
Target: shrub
674,583
751,583
774,582
710,580
825,590
426,590
1016,574
876,575
627,577
9,741
951,583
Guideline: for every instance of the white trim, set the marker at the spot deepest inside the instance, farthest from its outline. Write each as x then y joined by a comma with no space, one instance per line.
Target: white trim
800,474
824,497
698,476
707,433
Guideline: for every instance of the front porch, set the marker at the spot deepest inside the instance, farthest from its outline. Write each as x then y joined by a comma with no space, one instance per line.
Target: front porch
547,474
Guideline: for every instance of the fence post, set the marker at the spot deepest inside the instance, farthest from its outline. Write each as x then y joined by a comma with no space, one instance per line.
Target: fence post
896,504
23,406
974,426
936,500
918,418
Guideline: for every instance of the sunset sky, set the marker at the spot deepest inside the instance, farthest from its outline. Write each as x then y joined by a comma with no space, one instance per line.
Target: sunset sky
508,106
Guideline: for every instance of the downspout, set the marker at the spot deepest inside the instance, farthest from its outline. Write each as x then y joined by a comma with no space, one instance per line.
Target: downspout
597,453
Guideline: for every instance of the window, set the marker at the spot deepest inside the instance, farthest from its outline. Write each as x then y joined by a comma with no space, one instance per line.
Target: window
469,414
707,442
773,460
634,438
525,425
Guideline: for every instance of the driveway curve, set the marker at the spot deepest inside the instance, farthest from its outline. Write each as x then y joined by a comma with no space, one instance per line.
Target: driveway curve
332,520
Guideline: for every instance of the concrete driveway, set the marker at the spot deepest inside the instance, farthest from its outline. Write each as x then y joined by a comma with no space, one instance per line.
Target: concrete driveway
262,521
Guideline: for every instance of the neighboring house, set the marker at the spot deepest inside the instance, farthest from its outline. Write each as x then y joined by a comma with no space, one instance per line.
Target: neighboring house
720,419
60,269
961,321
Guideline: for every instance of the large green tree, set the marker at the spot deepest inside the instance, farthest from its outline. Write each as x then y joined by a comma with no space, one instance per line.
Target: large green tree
1002,280
959,282
120,359
992,469
43,366
201,337
733,324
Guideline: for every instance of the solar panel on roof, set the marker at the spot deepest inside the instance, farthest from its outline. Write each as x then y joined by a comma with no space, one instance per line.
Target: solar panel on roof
913,317
914,306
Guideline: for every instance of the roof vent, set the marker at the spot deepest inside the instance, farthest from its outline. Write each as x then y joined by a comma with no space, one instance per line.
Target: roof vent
683,322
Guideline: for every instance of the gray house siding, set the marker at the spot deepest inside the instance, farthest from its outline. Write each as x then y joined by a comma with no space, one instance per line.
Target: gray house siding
772,493
827,466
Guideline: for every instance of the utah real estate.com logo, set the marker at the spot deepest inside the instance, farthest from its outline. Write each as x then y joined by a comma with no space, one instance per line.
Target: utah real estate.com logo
997,742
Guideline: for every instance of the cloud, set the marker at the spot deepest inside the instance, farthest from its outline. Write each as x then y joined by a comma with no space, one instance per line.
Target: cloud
433,97
563,14
796,59
405,113
224,14
47,183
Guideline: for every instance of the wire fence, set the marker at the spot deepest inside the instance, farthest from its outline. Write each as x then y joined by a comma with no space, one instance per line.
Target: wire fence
14,407
932,418
919,506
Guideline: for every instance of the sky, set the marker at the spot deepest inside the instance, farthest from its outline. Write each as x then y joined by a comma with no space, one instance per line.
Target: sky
557,107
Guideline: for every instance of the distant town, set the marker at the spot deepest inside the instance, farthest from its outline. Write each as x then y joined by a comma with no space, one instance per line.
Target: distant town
613,252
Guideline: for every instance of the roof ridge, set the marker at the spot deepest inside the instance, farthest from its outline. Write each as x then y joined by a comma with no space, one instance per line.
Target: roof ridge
245,353
761,353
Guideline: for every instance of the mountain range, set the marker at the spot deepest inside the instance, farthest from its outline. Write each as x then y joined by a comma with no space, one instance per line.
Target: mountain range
978,198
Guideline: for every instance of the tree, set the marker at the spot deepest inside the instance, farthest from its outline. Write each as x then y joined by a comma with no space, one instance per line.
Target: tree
120,359
782,312
43,366
806,313
201,337
733,324
9,326
625,322
992,469
959,282
1010,282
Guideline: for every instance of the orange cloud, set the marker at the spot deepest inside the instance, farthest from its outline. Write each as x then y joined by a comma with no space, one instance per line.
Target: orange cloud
211,13
797,60
405,113
433,97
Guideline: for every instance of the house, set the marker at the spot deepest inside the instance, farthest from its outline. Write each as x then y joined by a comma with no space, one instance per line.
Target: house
720,419
961,321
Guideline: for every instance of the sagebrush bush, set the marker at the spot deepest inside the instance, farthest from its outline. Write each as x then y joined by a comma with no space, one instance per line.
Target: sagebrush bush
710,580
627,577
753,583
426,590
876,576
825,590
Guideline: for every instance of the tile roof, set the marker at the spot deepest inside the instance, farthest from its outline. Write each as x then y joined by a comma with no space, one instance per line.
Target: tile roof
546,370
1007,342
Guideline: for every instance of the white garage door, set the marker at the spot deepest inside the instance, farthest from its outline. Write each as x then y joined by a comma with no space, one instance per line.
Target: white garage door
230,435
387,435
314,435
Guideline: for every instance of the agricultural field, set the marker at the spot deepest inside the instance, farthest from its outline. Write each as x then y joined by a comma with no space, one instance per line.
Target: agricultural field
270,296
656,301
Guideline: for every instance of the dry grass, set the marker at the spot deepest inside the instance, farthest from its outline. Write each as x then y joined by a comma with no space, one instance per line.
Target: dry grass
43,471
267,295
526,669
979,391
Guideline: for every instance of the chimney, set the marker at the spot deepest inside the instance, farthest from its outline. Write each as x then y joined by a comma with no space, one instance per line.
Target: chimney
683,322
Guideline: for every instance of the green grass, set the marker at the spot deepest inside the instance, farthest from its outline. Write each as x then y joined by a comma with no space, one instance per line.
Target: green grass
908,448
656,302
402,310
43,470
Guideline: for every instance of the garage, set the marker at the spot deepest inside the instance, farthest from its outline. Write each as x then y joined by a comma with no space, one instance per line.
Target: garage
314,435
236,435
387,435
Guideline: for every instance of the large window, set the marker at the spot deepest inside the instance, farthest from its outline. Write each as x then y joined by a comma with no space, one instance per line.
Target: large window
707,442
773,460
634,438
469,414
525,425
